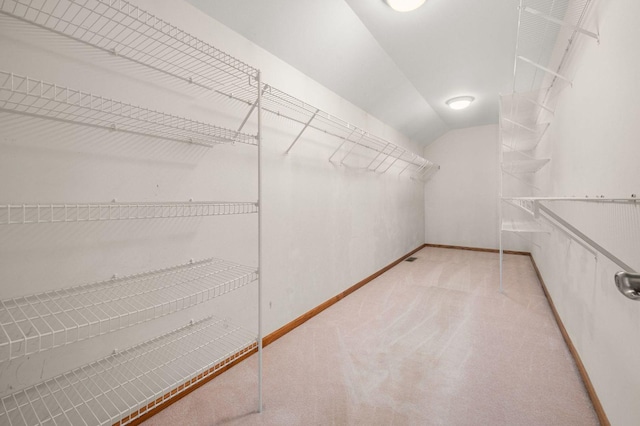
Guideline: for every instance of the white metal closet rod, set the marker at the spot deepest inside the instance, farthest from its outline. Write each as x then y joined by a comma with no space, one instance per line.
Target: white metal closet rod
586,239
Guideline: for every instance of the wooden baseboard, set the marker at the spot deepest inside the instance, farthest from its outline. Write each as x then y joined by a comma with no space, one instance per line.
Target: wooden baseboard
272,337
488,250
186,388
180,392
597,406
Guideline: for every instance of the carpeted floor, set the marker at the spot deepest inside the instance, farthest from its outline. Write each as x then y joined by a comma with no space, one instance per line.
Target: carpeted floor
431,342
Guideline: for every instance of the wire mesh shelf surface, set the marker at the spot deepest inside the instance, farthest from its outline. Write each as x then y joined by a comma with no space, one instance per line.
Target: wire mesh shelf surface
44,321
23,95
12,214
524,166
518,137
132,381
118,27
282,104
523,204
546,30
125,30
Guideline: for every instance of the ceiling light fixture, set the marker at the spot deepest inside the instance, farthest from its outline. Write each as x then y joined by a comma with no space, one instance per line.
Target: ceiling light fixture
404,5
461,102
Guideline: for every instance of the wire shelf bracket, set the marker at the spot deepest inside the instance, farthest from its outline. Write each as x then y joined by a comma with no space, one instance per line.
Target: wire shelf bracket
545,69
307,124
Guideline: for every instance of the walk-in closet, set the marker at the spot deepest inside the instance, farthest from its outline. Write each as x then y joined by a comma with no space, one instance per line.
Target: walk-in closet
294,212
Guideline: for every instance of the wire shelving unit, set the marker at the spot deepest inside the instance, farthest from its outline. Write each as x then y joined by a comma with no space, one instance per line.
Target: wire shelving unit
383,154
43,321
131,382
18,214
122,387
22,95
122,29
126,31
547,31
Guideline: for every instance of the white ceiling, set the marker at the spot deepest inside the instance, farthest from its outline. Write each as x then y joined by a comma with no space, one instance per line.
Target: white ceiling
399,67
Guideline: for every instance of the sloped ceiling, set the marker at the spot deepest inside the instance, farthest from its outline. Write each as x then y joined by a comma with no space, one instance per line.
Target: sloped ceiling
399,67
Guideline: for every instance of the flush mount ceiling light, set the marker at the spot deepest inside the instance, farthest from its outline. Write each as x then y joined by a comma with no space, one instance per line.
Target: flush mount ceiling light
404,5
461,102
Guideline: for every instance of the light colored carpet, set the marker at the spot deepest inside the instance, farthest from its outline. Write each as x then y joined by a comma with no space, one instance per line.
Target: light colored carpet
431,342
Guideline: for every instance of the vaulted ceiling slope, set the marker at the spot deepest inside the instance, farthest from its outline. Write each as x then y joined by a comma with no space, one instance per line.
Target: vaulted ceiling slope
399,67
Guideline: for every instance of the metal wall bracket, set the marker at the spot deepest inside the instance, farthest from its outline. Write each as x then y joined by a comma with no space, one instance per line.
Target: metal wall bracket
302,131
545,69
629,284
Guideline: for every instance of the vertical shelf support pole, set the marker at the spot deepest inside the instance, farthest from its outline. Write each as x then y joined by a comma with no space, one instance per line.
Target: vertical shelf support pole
260,269
500,183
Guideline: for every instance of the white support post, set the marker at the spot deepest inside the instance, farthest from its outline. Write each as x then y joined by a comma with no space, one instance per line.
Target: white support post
260,268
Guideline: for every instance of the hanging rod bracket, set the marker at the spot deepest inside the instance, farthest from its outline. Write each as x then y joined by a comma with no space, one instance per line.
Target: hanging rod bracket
629,284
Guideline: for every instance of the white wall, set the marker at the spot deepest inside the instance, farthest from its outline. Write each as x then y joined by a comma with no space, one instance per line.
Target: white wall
593,144
461,200
325,227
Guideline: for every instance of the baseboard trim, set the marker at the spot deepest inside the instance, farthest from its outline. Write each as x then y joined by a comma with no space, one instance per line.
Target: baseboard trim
181,391
175,395
488,250
597,406
272,337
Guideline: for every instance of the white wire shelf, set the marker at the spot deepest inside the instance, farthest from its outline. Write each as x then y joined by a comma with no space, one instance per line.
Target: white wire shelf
523,119
522,226
22,95
524,166
120,388
383,154
526,205
536,106
521,137
120,28
546,31
56,318
126,31
14,214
